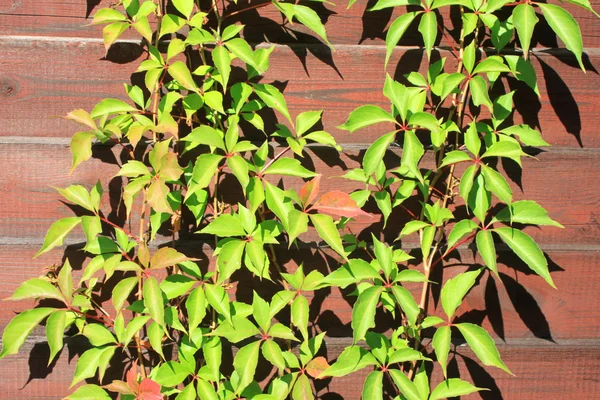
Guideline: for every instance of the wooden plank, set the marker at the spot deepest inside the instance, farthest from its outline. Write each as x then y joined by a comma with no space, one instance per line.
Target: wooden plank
562,370
356,25
69,75
521,305
29,204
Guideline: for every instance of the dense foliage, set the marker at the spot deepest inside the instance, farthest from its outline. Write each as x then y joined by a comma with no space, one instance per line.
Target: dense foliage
189,134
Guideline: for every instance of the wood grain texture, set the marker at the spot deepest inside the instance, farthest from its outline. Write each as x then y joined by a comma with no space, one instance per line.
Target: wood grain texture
72,74
565,370
521,305
356,25
30,204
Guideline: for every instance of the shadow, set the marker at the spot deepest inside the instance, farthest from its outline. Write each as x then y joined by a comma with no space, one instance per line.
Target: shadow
482,378
300,42
374,22
90,5
527,308
562,101
493,306
123,53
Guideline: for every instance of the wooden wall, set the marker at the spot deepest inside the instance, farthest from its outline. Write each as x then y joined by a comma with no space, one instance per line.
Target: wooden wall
51,63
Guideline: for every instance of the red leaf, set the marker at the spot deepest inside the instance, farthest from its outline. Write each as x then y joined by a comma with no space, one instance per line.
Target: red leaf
132,378
149,390
310,190
317,366
340,204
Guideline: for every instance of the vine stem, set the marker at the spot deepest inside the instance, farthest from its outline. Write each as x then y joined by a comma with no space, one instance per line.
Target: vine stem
428,264
277,157
128,233
140,293
253,7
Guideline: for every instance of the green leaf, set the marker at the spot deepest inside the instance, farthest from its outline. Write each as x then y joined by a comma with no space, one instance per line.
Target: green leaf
81,148
405,385
302,389
98,335
245,363
373,387
497,184
225,225
79,195
196,307
239,167
111,106
505,148
300,314
479,198
460,230
184,6
353,358
89,392
363,312
273,354
453,387
298,224
412,227
206,391
153,300
585,4
218,299
87,365
365,116
20,327
524,20
354,271
188,393
204,169
455,290
407,302
526,212
565,26
206,135
37,288
441,345
176,285
528,136
230,259
289,166
454,157
55,331
180,72
171,374
412,153
57,233
309,18
122,290
241,49
306,120
490,65
527,250
155,336
482,345
328,232
376,152
428,29
396,31
487,249
273,98
133,327
479,92
381,4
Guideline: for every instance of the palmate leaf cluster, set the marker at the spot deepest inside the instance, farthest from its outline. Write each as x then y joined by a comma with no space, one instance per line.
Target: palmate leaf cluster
193,122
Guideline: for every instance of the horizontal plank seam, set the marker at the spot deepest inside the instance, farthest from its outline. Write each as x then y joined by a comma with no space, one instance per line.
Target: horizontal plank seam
525,342
38,241
59,39
63,142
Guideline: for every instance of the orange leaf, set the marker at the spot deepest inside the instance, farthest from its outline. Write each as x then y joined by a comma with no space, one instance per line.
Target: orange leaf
149,390
317,366
340,204
310,190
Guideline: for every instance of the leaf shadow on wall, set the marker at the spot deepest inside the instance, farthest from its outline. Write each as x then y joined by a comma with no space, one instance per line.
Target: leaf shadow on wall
299,40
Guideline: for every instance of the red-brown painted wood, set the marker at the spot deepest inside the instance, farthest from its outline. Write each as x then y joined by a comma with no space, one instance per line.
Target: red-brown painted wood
564,370
68,19
30,204
521,304
70,75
